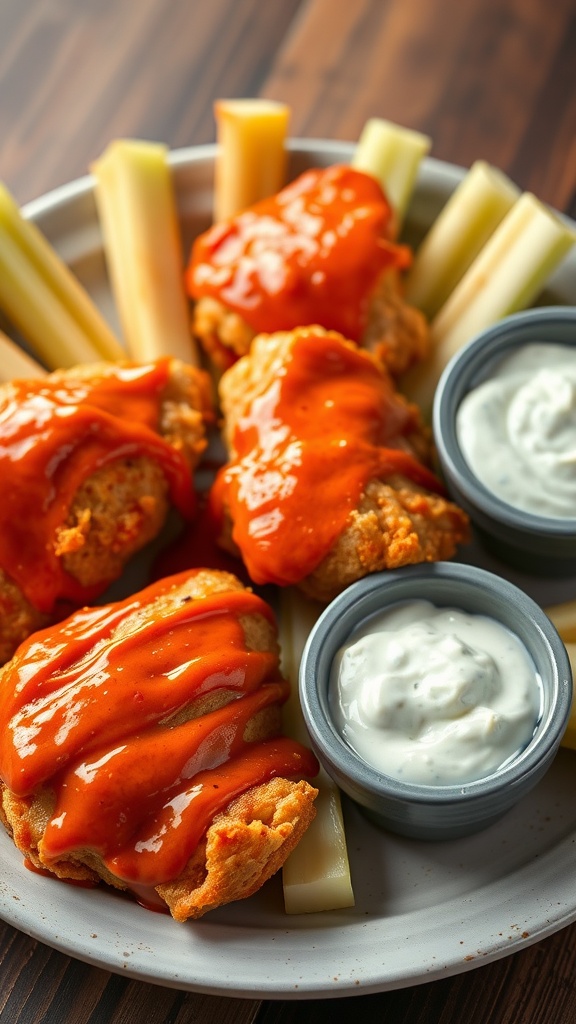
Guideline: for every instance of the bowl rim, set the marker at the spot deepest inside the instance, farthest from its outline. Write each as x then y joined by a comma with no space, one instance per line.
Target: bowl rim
338,757
481,353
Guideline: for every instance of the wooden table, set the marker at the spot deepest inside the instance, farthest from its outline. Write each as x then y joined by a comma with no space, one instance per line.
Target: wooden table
485,78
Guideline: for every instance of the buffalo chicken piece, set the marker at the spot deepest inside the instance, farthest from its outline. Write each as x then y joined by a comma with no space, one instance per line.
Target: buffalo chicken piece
91,459
328,477
319,252
142,747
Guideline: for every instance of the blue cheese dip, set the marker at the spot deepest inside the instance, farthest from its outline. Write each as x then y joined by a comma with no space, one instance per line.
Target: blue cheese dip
517,430
435,696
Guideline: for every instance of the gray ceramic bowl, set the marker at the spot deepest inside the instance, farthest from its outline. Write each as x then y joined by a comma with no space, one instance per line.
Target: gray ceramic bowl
422,811
531,542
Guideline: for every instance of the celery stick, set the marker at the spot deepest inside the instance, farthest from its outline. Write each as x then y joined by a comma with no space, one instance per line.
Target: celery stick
43,298
251,162
143,248
316,876
505,277
391,154
15,363
563,617
37,312
569,737
473,212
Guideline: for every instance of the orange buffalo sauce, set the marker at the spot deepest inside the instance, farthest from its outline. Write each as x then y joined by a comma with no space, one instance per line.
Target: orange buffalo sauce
53,436
86,709
309,255
304,452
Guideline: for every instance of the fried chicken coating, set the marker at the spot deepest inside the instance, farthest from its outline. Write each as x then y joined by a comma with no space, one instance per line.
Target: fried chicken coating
396,523
185,402
18,618
319,252
396,332
119,504
399,515
245,835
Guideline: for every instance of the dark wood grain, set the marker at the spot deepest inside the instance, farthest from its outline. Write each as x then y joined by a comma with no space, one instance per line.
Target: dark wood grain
74,75
536,986
38,984
485,78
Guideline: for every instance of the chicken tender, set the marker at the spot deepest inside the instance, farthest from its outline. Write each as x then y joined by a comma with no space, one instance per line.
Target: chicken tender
162,774
91,459
328,477
319,252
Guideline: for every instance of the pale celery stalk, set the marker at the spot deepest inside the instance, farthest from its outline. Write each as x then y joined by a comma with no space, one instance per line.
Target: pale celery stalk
251,162
316,876
563,617
505,277
143,248
15,364
464,225
44,300
392,154
569,737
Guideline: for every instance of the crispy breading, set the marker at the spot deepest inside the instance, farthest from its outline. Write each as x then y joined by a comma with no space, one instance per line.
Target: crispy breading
396,521
223,333
17,617
186,403
395,524
116,512
245,844
396,333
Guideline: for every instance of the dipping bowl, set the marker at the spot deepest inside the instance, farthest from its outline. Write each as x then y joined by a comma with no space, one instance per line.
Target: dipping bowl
534,543
436,811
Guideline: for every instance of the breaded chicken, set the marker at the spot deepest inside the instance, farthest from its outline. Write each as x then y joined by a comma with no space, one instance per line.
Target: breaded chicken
18,618
319,252
396,523
122,492
193,728
281,419
396,333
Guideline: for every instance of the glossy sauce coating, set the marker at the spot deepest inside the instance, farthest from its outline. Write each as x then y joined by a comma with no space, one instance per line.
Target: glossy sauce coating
311,254
53,436
86,709
304,452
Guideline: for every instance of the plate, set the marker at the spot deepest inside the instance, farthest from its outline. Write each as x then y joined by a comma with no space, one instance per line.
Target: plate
423,910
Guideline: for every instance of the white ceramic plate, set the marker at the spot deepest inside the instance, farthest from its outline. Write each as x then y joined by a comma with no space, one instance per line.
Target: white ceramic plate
423,911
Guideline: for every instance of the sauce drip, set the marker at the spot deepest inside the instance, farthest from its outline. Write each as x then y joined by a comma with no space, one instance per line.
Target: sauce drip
53,436
311,254
305,451
93,708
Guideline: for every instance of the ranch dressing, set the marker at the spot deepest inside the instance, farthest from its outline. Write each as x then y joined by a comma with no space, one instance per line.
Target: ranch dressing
517,430
435,696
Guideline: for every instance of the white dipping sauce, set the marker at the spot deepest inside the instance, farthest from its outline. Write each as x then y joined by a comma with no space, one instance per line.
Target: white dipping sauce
435,696
517,430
